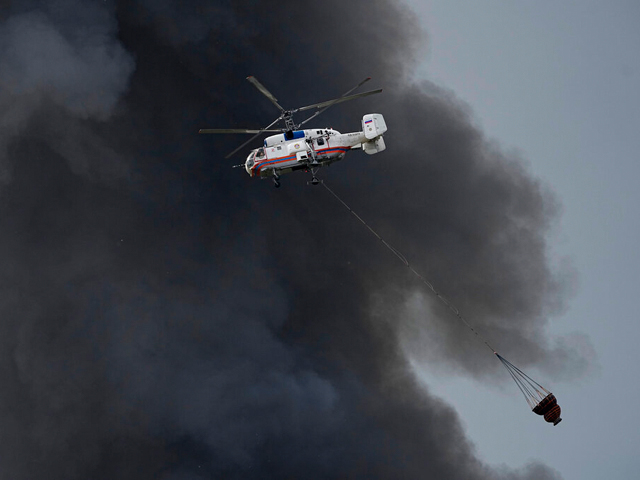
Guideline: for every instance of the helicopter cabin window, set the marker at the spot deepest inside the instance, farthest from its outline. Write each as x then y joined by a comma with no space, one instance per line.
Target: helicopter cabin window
319,132
279,147
320,141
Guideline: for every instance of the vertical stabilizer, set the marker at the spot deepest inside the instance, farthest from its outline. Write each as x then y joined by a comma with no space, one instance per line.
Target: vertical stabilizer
373,126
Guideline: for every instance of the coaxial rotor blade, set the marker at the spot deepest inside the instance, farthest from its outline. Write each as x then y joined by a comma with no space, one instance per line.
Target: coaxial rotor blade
243,145
265,129
357,86
333,103
336,101
233,130
264,91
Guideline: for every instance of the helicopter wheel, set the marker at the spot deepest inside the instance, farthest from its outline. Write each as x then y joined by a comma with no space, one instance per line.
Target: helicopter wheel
276,179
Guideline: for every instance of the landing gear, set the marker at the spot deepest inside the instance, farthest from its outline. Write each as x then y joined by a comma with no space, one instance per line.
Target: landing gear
314,179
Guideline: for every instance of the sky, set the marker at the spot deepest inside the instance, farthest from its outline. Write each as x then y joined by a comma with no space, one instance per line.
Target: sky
557,83
166,316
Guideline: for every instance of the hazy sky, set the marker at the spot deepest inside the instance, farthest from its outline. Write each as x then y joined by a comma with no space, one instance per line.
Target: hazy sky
558,83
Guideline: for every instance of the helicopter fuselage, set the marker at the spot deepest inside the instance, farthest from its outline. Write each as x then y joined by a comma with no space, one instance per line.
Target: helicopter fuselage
311,149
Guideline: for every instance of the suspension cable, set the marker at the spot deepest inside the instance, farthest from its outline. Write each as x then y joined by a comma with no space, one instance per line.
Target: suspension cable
404,260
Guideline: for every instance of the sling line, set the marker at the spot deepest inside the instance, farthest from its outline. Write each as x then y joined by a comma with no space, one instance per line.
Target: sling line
404,260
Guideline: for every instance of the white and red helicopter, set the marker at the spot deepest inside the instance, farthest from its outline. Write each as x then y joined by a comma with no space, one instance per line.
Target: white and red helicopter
294,149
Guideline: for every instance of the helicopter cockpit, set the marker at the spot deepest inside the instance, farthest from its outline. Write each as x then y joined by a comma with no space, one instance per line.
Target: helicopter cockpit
254,157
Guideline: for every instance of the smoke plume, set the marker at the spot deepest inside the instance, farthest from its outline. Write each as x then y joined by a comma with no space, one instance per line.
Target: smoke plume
165,316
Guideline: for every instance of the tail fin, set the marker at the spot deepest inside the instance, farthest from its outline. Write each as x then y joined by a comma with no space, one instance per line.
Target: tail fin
373,126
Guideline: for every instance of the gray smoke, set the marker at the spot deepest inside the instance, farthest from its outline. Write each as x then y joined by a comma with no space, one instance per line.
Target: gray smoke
60,55
164,316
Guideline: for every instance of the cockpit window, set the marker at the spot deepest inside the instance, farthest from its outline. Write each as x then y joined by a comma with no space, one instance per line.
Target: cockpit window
251,159
321,141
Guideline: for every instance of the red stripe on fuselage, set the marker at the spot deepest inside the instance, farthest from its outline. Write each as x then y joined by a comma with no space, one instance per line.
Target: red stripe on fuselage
258,167
274,161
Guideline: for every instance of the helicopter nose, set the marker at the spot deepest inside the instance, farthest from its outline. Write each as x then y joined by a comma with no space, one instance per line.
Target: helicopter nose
248,165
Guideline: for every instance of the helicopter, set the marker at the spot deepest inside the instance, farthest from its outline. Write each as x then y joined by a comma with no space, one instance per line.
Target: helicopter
293,149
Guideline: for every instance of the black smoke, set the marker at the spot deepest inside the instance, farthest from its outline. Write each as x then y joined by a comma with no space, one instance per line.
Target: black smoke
165,316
